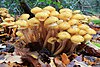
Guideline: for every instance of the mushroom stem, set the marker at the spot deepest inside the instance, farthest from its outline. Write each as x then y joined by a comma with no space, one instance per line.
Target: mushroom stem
62,47
23,42
31,34
43,31
53,48
53,32
68,46
72,48
59,46
48,35
25,35
36,34
28,35
9,31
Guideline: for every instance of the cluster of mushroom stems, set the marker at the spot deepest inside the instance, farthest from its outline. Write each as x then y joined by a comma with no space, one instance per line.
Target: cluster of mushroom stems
65,27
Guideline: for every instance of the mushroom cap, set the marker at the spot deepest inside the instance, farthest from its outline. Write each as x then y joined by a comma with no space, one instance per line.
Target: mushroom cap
36,10
65,15
87,37
50,20
4,24
63,35
41,16
83,26
78,17
3,10
3,14
54,13
91,31
73,30
65,10
73,21
59,21
7,24
11,23
53,26
46,11
13,26
82,32
8,15
9,19
33,21
19,33
49,8
24,16
77,39
86,20
76,11
64,26
22,23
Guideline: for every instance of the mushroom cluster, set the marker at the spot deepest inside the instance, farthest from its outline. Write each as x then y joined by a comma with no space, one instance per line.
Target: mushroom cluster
6,23
65,27
59,30
5,15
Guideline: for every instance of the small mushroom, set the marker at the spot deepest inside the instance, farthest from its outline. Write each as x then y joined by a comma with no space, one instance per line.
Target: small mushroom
73,22
83,26
91,31
4,24
65,10
77,39
82,32
21,24
19,33
41,16
65,16
78,17
51,25
46,11
59,21
50,20
87,37
24,16
64,26
9,19
63,35
76,11
73,30
36,10
8,15
49,8
54,13
11,24
33,21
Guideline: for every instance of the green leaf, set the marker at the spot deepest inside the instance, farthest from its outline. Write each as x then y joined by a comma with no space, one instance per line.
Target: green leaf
41,0
49,2
97,44
96,21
